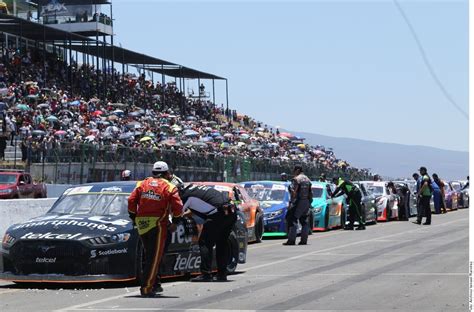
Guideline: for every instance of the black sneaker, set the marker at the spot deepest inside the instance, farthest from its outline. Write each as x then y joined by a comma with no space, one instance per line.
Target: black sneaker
289,243
348,228
360,227
426,223
202,278
303,243
220,278
151,294
157,289
417,222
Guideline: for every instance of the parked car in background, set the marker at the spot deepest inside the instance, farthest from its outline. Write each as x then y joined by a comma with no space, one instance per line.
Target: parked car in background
457,187
19,184
328,213
368,204
450,197
411,199
250,207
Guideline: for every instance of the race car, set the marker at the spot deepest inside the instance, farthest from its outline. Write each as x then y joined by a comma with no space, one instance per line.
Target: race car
87,236
457,187
386,202
408,199
274,198
247,205
327,213
368,206
450,197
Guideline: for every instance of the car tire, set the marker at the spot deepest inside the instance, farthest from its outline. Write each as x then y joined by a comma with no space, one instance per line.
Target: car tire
233,245
259,228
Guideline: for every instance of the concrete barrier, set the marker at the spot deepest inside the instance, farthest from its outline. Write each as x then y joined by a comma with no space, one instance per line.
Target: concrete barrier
55,190
19,210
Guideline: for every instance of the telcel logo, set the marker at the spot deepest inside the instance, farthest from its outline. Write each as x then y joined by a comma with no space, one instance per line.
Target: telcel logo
45,260
189,263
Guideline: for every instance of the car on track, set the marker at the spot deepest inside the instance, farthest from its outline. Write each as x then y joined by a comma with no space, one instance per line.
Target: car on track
274,199
457,187
87,236
247,205
19,184
328,213
385,200
450,197
368,204
410,200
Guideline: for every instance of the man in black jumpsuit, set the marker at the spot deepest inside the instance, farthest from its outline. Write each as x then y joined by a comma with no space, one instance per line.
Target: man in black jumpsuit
219,215
300,202
354,198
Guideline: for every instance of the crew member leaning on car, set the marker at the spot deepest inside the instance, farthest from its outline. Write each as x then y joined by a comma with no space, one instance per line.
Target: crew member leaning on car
354,198
149,206
215,210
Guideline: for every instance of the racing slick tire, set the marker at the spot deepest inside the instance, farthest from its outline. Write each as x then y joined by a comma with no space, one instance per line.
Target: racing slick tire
259,228
233,253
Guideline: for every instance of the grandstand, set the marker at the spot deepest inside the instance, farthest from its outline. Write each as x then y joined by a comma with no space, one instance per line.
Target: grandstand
73,117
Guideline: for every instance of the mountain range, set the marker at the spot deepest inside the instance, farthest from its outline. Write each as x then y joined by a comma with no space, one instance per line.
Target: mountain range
391,160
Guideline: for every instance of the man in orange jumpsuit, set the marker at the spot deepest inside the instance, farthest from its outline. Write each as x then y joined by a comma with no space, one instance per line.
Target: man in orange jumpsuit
149,206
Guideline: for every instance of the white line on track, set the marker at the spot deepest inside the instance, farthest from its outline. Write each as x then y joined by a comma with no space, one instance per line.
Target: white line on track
91,303
366,274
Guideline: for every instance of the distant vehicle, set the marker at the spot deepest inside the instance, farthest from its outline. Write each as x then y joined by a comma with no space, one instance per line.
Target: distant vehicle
457,187
412,209
274,199
247,205
465,196
450,197
327,213
18,184
386,202
368,204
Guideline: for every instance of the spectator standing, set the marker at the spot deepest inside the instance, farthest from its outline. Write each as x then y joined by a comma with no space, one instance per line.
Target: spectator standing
424,196
442,194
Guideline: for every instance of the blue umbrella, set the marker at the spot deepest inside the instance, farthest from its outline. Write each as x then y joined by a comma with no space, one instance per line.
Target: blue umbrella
205,139
215,134
134,114
75,103
52,118
190,133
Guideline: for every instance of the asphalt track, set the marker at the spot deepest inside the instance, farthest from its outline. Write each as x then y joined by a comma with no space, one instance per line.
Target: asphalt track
391,266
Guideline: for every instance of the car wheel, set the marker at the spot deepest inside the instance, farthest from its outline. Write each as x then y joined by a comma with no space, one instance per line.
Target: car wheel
310,223
326,219
259,229
233,246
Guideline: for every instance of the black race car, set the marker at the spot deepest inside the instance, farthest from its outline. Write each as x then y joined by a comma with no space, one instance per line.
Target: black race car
87,237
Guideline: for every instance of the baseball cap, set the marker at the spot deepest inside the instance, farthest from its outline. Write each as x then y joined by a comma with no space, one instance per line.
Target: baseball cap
160,166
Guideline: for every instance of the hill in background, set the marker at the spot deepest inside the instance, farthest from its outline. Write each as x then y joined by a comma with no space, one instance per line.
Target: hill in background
394,160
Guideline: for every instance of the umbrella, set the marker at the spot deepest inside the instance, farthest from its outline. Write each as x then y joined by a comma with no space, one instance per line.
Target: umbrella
205,139
169,142
144,139
90,138
113,117
225,145
60,132
200,144
118,105
302,146
134,114
38,132
126,135
97,113
215,134
134,124
118,112
259,129
75,103
52,118
208,129
190,133
104,122
244,136
286,134
241,144
228,135
23,107
43,105
32,96
219,138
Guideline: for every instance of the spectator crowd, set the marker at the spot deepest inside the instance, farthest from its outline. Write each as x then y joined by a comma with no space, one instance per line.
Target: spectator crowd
49,105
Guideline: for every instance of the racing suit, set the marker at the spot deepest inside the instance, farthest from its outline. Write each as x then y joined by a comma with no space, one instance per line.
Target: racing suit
300,202
219,216
150,205
354,198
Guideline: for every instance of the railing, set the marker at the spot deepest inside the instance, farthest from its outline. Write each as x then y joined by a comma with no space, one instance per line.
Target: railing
81,163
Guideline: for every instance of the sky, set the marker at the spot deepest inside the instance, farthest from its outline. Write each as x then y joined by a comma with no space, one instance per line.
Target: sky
338,68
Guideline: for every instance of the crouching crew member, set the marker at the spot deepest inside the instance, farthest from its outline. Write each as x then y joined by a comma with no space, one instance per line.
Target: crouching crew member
354,198
298,210
218,214
149,207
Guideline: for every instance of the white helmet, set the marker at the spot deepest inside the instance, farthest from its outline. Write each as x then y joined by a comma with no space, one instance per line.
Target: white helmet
126,174
160,166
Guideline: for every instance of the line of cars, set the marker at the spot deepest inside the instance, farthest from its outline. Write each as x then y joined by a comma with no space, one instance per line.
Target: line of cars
87,236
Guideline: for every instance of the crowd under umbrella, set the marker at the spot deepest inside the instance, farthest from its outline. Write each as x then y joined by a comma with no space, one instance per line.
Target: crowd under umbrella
38,132
23,107
44,105
75,103
126,135
145,139
190,133
52,118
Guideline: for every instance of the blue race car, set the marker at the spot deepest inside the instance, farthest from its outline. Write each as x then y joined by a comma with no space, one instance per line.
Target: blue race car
274,198
327,213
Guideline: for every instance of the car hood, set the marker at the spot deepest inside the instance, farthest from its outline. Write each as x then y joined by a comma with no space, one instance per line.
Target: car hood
6,186
270,206
60,226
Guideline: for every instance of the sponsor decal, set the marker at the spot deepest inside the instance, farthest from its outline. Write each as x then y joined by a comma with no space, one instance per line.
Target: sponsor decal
45,260
108,252
112,189
151,195
191,262
70,220
78,190
179,236
278,187
50,235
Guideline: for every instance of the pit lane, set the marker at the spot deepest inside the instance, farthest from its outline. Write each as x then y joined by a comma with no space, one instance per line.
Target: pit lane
395,265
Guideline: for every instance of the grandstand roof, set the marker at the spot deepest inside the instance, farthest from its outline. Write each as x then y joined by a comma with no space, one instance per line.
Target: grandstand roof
35,31
184,72
73,2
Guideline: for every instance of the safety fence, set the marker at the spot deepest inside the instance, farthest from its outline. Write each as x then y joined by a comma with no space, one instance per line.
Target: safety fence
81,163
